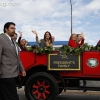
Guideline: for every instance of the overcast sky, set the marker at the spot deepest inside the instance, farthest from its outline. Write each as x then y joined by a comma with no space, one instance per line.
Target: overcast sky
53,16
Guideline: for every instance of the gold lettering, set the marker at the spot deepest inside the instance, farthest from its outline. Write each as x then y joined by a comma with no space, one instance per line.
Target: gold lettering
64,66
64,62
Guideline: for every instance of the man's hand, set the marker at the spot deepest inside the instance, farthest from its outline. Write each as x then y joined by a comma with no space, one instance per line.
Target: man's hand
23,73
20,33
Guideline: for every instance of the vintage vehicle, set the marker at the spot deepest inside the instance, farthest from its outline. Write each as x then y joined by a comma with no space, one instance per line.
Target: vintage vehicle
49,74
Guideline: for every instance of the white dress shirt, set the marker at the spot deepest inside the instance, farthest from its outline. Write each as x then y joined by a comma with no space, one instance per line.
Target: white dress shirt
14,42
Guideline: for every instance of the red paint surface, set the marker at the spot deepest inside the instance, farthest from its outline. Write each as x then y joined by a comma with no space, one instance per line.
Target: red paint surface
87,70
28,60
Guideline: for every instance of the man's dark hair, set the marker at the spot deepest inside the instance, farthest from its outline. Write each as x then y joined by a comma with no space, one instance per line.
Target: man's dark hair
78,35
7,25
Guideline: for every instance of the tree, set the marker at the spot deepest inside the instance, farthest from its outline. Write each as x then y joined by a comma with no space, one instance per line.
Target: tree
1,34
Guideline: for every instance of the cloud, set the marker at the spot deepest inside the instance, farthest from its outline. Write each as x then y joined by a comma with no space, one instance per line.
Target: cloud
53,16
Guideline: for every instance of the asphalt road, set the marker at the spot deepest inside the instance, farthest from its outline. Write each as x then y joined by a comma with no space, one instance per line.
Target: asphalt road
72,94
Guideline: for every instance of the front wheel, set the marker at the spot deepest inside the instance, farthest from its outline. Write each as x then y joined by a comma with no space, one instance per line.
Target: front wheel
41,86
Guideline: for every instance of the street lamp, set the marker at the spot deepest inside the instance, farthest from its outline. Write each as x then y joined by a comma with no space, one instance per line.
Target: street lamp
71,15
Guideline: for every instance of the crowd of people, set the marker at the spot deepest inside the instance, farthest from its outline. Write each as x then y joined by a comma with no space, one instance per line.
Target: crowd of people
75,40
45,42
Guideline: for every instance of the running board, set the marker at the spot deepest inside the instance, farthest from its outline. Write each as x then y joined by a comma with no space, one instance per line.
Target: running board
83,88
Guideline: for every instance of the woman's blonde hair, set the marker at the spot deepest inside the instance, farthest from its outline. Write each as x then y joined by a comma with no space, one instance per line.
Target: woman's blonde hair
71,36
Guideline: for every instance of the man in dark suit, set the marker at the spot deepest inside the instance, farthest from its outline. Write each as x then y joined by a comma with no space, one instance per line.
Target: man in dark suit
10,64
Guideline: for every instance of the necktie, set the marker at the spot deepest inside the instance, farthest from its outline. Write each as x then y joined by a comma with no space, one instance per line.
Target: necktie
12,41
14,45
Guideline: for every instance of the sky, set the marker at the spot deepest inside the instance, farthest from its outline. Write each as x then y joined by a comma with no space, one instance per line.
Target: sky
53,16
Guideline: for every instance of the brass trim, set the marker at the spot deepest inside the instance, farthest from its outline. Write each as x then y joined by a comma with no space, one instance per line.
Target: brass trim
64,69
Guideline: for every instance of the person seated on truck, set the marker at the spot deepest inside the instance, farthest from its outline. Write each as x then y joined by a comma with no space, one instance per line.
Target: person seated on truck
73,41
33,47
14,37
47,41
98,44
76,40
22,42
80,42
53,38
80,39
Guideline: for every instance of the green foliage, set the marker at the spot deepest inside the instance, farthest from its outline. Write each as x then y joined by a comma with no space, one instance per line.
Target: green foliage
45,50
78,51
68,50
29,48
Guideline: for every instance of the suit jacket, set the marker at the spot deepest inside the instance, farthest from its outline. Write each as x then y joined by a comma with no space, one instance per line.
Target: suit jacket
10,64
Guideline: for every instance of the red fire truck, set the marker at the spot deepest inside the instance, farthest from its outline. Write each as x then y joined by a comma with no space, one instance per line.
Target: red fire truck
49,74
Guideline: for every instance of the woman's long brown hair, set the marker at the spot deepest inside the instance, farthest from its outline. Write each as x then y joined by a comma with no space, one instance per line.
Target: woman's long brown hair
71,36
49,38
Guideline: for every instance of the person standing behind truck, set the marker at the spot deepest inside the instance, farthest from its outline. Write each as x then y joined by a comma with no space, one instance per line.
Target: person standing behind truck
47,41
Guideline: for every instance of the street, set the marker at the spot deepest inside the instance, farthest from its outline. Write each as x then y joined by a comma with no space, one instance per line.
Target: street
70,95
73,94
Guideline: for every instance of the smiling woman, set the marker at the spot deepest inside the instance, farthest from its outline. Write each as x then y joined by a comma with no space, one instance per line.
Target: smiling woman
46,42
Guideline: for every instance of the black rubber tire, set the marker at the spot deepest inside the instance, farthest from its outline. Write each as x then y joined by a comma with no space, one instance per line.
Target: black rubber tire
60,90
46,77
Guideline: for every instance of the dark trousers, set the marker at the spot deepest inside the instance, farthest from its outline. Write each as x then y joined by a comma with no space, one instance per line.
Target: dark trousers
8,89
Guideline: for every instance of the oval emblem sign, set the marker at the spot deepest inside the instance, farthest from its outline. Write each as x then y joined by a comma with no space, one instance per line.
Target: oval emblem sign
92,62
